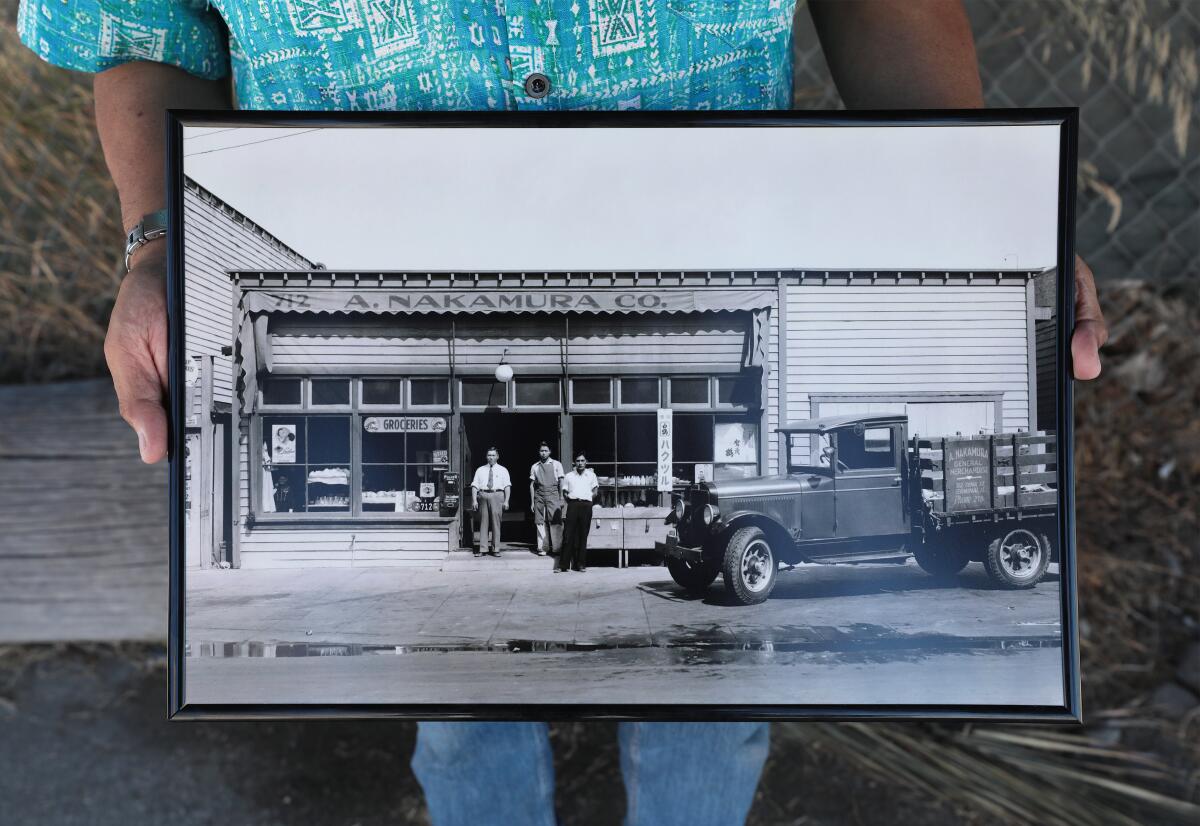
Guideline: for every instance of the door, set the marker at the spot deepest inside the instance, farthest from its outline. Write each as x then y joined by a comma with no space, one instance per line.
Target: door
516,437
870,492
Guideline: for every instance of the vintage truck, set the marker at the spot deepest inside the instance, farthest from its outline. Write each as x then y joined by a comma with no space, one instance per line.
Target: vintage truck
858,489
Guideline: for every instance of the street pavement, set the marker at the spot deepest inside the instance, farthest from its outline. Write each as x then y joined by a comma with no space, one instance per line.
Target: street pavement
829,634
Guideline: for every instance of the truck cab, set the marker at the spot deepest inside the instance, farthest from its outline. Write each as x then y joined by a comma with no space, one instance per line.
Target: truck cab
853,484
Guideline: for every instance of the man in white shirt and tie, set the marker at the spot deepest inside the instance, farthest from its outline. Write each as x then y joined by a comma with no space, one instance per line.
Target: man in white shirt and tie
490,490
579,489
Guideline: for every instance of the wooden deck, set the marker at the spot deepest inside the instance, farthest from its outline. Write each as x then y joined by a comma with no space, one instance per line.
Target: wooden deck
83,523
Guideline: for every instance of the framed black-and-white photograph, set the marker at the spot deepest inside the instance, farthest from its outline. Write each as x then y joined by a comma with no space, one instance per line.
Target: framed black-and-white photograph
626,415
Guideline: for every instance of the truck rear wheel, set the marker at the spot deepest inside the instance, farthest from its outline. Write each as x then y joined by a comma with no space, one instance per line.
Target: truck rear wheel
749,566
693,577
939,560
1017,558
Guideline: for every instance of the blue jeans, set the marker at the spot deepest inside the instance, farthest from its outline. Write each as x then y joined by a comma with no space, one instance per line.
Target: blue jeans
675,773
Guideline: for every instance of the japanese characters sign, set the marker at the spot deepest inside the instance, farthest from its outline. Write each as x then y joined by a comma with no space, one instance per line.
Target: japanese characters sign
665,450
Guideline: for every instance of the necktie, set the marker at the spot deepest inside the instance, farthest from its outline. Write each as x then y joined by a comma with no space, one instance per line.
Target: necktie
489,477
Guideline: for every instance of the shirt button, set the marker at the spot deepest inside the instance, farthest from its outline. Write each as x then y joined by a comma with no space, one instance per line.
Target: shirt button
537,85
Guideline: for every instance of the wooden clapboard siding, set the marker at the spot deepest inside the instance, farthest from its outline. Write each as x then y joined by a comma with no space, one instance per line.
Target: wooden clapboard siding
771,419
892,340
294,546
217,238
700,343
1047,367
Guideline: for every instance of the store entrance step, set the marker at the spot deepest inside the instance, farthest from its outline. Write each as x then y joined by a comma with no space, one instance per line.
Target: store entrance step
517,559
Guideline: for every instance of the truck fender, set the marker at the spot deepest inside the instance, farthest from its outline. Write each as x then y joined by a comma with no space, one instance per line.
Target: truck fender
781,540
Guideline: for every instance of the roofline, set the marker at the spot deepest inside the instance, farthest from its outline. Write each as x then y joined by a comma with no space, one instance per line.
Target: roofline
932,276
238,217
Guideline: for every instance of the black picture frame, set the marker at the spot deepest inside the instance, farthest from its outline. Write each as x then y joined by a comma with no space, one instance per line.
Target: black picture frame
1066,119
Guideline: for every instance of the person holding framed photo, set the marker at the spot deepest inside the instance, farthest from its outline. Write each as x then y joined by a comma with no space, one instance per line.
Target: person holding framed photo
151,55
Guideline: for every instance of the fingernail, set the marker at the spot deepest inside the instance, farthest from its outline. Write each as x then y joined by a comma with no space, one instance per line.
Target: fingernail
142,443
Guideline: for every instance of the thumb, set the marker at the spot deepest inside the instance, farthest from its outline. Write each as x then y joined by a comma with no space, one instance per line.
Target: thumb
149,420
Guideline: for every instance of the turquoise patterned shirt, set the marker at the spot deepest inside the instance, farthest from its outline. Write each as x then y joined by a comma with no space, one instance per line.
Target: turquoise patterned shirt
440,54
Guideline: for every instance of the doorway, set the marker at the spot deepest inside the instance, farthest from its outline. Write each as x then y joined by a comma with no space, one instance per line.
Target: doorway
516,436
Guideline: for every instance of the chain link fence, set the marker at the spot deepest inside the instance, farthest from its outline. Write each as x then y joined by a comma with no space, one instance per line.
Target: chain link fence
1138,213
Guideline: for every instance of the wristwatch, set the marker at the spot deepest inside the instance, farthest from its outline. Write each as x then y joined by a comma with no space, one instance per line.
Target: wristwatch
150,227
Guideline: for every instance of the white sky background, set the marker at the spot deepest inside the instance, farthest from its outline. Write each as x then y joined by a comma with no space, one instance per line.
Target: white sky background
812,197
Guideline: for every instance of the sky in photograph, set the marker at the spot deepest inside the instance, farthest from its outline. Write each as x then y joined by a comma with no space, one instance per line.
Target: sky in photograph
816,197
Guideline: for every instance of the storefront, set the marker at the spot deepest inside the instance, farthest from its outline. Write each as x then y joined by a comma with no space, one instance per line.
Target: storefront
365,402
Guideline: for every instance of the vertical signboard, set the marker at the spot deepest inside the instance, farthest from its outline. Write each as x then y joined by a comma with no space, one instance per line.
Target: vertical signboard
665,451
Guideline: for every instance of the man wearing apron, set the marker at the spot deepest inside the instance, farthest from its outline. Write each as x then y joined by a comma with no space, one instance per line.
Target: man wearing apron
545,492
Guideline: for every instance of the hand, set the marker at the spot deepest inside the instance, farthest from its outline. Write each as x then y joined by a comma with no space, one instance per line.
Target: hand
136,350
505,506
1090,330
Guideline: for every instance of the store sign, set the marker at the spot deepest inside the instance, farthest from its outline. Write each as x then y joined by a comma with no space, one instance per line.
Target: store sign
490,301
405,424
666,456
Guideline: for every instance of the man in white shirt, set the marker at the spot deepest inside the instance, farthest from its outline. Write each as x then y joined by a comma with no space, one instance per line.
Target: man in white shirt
579,489
490,490
545,496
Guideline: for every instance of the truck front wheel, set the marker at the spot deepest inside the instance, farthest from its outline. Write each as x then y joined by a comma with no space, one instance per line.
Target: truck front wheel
749,566
693,577
1018,558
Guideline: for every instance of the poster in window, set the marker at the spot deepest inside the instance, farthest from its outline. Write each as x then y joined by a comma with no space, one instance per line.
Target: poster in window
735,442
283,444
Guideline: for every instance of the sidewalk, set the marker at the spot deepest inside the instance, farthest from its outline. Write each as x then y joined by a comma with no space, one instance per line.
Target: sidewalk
814,607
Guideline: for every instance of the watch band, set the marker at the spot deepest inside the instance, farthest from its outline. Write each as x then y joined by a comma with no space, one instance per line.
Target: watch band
150,227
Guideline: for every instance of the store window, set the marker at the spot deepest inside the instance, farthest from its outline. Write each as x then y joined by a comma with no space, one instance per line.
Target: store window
621,451
280,392
429,392
384,459
738,391
591,392
400,471
381,392
484,393
537,393
306,464
707,447
689,392
639,391
330,392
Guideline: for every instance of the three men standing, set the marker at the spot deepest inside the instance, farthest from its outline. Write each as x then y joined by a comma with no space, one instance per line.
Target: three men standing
490,489
545,494
579,487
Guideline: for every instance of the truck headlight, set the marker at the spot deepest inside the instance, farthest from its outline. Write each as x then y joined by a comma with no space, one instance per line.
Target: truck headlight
710,514
679,507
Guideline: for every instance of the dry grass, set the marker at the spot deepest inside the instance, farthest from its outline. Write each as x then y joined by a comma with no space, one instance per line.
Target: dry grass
60,232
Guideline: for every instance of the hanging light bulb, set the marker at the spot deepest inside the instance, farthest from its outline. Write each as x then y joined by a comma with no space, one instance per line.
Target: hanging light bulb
504,372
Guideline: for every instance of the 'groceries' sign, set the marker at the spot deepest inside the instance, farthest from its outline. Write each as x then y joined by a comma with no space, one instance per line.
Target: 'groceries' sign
404,424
